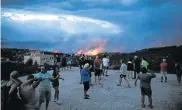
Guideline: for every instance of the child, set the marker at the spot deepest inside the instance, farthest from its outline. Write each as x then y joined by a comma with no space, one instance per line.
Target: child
123,70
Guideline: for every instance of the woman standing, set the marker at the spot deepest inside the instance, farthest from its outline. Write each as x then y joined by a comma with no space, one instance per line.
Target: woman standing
85,79
64,63
55,83
130,68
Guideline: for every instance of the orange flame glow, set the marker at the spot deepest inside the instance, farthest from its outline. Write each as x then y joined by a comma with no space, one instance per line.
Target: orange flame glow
95,48
91,52
55,51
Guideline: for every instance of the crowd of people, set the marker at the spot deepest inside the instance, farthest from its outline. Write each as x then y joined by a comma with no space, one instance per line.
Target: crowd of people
22,96
64,62
133,69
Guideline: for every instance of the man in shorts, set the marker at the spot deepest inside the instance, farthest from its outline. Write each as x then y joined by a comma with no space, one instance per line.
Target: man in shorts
123,70
44,86
97,63
105,62
145,85
163,67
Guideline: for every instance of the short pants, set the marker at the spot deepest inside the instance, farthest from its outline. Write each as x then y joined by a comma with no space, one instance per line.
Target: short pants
97,72
69,63
146,91
44,94
86,85
122,76
106,67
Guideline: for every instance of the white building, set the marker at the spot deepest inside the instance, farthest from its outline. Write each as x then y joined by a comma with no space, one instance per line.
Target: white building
40,57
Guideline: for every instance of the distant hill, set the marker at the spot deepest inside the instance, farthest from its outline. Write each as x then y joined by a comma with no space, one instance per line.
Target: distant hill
153,55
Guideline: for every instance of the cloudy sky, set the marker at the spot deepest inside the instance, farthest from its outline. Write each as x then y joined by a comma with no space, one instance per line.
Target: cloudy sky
69,25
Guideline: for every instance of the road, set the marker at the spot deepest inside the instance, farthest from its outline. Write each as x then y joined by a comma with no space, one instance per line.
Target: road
108,96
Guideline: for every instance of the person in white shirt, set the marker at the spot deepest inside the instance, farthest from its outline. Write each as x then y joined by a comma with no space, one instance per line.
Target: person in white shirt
123,70
105,62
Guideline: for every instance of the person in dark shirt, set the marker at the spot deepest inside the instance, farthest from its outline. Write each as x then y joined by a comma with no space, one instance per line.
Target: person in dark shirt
130,68
137,64
58,61
55,83
178,68
81,65
90,62
64,63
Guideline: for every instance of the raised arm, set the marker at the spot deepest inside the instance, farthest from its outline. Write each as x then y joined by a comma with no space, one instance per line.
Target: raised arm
153,75
28,81
56,77
36,83
13,88
61,78
17,81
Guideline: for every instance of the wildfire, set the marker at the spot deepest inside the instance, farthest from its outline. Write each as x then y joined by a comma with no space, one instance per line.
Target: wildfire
91,52
55,51
95,48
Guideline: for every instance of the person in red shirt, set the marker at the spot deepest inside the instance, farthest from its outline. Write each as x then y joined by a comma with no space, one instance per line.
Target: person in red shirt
163,67
97,64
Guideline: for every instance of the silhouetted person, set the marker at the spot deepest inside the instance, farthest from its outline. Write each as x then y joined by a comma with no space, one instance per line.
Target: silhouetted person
178,68
130,68
163,67
137,66
145,85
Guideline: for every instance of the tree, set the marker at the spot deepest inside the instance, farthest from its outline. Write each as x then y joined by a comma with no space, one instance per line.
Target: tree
29,62
35,63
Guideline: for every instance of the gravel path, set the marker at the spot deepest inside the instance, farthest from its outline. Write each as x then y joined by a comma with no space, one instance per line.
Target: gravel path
108,96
